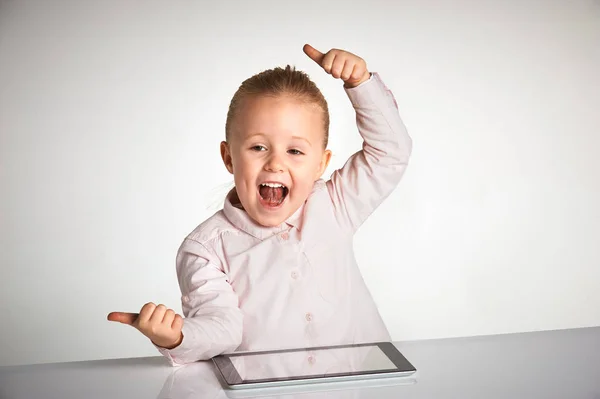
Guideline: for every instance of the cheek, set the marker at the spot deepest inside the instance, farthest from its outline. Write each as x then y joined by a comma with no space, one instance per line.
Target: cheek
239,162
246,167
315,163
306,171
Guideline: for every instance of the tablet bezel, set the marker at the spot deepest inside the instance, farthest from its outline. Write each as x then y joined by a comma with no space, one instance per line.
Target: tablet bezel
233,379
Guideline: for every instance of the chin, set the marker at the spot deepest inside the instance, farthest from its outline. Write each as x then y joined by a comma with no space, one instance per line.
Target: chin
270,221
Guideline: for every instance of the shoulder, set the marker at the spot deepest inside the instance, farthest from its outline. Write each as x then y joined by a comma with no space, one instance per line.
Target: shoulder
319,192
211,230
320,196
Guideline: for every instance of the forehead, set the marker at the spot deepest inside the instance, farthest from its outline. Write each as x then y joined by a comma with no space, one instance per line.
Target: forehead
279,116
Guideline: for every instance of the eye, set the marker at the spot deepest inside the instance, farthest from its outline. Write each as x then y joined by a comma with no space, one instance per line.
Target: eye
258,148
295,152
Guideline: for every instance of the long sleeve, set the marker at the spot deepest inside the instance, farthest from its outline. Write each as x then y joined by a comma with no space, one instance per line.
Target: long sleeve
371,174
212,319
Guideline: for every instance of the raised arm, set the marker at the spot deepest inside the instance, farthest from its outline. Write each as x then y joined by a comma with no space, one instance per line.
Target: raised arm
371,174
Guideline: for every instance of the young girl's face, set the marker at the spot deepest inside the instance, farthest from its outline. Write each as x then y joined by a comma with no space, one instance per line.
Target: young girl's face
275,152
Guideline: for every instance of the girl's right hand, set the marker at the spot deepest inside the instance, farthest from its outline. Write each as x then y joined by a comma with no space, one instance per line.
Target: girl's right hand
161,325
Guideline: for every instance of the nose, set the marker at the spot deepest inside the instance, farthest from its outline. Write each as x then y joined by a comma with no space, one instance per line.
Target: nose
275,164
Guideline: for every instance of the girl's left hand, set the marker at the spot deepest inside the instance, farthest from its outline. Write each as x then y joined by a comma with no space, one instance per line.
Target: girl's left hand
340,64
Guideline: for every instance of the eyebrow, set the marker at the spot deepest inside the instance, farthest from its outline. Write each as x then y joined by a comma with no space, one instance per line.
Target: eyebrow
294,137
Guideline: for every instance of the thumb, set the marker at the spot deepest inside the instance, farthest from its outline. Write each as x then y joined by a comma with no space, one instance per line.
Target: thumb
122,317
313,53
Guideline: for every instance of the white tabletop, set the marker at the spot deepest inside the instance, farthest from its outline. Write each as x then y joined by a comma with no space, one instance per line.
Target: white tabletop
554,364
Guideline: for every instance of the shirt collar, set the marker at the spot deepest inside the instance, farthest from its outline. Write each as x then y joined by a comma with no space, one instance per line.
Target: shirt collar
240,219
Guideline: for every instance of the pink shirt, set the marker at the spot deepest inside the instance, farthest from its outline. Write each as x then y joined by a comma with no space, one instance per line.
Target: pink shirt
248,287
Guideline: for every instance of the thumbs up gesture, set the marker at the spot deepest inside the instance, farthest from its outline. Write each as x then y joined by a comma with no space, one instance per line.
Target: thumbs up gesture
340,64
163,326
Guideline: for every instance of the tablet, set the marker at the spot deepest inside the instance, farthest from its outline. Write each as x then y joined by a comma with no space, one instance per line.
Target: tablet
312,365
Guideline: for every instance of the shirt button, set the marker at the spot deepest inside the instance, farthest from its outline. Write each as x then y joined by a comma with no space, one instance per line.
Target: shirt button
294,275
309,317
311,360
285,236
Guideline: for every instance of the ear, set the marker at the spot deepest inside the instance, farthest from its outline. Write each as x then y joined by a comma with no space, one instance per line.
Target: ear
325,158
226,155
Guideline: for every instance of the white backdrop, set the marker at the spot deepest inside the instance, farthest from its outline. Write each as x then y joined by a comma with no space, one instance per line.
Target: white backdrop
111,114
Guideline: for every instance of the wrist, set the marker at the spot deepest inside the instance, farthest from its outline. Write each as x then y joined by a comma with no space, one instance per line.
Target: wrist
362,80
174,345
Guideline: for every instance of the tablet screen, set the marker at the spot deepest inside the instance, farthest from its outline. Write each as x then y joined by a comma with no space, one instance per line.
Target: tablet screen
320,362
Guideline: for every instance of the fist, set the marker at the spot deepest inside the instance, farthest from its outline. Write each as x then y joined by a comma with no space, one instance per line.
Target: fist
340,64
163,326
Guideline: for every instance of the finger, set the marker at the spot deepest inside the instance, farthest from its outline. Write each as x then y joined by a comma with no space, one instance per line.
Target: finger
358,72
347,71
169,317
313,53
328,61
338,67
177,323
146,312
123,317
158,315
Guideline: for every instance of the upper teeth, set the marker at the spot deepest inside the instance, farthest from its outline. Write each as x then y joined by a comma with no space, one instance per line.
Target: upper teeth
272,185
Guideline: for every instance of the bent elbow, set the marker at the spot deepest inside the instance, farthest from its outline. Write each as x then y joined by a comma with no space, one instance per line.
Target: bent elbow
235,330
231,333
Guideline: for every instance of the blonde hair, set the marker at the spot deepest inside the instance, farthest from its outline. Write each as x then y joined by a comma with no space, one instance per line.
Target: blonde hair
275,82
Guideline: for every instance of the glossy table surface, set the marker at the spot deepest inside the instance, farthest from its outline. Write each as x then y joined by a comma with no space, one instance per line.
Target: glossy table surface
552,364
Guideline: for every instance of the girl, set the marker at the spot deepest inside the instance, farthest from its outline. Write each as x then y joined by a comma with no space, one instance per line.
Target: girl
275,267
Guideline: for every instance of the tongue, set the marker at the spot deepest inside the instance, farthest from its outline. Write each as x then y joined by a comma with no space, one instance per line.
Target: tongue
273,195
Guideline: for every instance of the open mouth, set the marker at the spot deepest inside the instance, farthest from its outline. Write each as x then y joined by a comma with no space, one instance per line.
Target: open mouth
272,194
